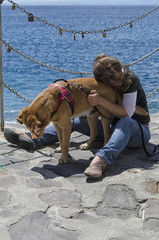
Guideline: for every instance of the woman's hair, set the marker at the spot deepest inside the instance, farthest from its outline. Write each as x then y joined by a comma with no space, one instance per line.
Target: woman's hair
106,68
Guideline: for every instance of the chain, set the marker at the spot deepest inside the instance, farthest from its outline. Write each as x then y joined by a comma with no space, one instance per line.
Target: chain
19,95
43,64
57,69
153,92
67,71
146,56
139,60
61,29
80,32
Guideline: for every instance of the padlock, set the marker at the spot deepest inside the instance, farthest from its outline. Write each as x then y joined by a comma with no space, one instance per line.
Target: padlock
83,35
30,17
13,7
74,37
104,34
9,49
130,25
60,32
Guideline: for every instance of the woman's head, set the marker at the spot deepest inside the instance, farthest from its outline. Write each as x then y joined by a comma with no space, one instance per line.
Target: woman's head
110,70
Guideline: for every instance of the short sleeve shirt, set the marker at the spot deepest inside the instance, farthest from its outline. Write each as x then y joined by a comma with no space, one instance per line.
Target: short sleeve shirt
141,98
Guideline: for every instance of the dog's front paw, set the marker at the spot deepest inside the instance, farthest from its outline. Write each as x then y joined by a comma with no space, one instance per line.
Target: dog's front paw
62,160
84,146
58,149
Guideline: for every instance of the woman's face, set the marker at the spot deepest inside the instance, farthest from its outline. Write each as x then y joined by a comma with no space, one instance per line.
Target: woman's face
118,81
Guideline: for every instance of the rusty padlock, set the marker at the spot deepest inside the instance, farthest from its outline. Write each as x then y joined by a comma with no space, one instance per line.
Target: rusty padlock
60,31
13,6
9,49
104,34
30,17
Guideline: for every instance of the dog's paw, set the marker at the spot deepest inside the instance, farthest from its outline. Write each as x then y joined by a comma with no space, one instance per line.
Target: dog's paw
62,160
58,150
84,146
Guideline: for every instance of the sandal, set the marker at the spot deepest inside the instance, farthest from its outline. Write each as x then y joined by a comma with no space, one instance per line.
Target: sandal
95,170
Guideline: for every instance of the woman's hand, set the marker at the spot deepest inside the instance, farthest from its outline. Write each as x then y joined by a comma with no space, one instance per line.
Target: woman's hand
94,98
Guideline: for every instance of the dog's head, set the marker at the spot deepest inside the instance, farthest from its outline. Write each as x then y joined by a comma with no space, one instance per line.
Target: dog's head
32,121
38,115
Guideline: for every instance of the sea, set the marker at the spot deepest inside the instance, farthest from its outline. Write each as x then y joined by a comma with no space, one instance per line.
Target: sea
41,41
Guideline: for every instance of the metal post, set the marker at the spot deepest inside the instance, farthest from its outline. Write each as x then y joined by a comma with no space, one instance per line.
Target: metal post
1,79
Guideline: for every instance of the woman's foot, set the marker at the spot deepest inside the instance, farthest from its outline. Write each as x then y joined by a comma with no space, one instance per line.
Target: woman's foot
96,168
20,139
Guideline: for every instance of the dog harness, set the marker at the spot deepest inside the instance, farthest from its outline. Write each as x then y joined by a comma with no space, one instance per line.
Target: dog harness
68,96
64,94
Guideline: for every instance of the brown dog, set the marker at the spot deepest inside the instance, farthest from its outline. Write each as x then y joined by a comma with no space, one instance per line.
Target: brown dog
46,108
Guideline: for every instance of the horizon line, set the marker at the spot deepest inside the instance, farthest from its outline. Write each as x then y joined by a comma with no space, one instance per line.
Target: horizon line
35,4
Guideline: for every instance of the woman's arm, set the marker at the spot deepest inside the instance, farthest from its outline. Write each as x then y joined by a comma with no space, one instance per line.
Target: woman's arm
119,111
129,102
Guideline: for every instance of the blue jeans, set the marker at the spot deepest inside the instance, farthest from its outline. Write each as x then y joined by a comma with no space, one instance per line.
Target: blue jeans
78,124
126,132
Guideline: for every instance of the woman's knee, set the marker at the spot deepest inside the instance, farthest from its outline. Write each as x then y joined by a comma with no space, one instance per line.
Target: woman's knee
125,122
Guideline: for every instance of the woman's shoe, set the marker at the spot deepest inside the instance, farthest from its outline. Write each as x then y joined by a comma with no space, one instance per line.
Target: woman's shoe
95,170
20,139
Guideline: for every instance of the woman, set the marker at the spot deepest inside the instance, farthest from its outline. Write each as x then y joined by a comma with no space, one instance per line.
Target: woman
126,131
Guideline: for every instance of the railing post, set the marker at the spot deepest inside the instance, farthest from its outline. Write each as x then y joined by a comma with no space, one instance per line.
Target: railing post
1,79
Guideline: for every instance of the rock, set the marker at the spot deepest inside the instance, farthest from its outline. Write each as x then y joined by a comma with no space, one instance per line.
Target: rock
119,201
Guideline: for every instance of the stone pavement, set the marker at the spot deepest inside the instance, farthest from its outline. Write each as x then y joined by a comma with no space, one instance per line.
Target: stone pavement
41,200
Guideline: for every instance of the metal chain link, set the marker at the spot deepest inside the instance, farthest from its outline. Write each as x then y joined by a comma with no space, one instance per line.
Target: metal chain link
146,56
19,95
25,99
153,92
67,71
85,32
57,69
43,64
139,60
73,31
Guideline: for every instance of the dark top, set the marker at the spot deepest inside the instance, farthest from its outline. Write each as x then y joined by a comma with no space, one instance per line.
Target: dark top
141,98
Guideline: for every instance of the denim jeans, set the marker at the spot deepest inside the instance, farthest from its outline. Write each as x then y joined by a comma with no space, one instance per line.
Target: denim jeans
126,133
78,124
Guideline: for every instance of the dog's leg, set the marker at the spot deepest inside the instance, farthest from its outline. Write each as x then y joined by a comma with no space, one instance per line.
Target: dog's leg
63,128
66,133
92,122
63,133
106,128
59,134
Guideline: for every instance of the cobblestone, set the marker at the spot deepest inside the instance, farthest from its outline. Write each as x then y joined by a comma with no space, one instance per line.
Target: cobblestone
42,200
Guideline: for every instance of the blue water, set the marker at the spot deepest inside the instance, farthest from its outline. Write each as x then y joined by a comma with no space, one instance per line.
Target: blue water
43,43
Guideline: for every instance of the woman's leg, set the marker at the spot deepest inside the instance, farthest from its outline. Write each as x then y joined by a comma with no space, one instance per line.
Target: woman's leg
126,133
78,124
49,137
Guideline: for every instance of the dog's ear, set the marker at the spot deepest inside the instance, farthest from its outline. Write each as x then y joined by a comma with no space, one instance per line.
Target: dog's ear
22,115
